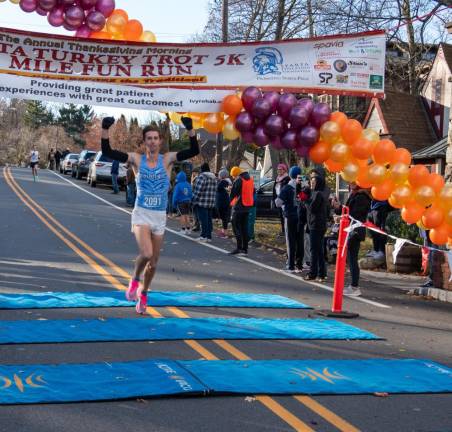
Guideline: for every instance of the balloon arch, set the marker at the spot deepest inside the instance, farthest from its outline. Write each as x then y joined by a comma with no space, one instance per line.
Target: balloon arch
287,123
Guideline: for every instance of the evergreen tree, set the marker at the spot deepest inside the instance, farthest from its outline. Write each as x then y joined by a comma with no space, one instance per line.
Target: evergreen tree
75,120
38,115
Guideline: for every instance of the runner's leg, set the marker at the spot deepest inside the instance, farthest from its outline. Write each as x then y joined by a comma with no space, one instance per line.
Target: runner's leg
151,266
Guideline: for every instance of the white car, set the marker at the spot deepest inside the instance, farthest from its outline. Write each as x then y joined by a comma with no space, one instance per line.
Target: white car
66,164
100,171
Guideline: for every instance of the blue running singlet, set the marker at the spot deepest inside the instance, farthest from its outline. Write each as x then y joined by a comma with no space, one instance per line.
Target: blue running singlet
152,186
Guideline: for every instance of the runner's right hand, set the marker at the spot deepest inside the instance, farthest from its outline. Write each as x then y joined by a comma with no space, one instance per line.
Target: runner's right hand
107,122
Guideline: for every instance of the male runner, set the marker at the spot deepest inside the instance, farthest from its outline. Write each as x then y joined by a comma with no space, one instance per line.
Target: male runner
34,161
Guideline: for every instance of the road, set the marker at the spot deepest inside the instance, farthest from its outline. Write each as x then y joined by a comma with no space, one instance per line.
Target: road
60,235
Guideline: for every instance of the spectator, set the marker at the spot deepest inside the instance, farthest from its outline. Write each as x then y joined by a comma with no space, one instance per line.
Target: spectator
57,159
131,187
379,211
182,196
196,226
287,201
114,176
65,153
241,201
281,180
316,206
51,159
223,202
302,196
204,195
358,204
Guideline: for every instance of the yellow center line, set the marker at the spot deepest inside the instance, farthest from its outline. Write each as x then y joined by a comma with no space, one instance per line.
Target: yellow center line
267,401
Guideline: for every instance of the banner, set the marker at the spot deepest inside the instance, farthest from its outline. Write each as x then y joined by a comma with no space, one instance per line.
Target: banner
164,76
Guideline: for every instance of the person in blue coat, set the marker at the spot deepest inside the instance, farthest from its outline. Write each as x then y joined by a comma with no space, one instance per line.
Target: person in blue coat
182,196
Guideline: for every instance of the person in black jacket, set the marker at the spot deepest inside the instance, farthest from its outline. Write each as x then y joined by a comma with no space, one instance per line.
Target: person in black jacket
316,206
358,204
223,202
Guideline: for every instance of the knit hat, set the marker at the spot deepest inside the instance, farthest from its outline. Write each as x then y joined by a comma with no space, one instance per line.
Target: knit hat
235,171
294,172
205,167
282,166
223,173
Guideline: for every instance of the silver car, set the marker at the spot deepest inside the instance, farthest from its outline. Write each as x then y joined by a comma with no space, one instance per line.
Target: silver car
66,164
100,171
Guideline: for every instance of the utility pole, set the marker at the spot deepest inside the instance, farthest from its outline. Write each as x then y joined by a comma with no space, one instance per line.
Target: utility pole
225,37
448,171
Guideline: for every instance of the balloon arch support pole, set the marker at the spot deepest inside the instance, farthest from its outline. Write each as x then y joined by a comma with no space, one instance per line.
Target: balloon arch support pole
339,277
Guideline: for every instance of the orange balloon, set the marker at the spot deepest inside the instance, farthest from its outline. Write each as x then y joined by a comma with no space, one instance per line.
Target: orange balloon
214,123
401,155
100,35
232,105
424,195
333,166
384,151
133,30
383,191
363,178
377,173
412,212
339,117
439,235
448,216
399,173
394,203
122,13
433,217
418,175
362,148
340,152
320,152
402,194
351,131
436,182
117,22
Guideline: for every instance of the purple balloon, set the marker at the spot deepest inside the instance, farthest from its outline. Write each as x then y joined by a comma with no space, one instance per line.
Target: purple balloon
273,98
105,7
261,109
88,4
274,125
69,27
286,102
320,114
275,142
74,16
248,137
302,151
47,5
66,3
307,104
244,122
298,117
83,31
95,21
249,96
56,16
289,140
28,5
308,136
40,11
261,139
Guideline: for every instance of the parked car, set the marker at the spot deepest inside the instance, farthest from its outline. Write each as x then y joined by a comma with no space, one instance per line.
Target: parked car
67,162
264,198
81,167
100,171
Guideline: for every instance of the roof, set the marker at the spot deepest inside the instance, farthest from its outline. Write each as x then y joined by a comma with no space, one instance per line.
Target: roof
436,150
447,50
404,119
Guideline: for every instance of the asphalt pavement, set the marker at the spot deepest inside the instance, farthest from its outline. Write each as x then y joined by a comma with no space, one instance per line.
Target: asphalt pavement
59,234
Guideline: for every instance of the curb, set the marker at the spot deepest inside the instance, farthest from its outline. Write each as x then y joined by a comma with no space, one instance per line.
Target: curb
436,293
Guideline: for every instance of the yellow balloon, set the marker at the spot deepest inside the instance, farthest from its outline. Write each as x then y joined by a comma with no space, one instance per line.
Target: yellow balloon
229,130
445,196
116,24
198,119
377,174
402,194
148,36
420,224
370,135
340,152
330,132
350,172
399,173
15,1
424,195
175,117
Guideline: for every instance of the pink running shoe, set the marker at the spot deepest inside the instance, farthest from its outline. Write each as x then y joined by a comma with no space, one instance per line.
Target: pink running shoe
142,303
131,293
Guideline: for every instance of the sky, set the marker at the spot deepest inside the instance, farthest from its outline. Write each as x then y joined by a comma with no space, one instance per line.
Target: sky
169,20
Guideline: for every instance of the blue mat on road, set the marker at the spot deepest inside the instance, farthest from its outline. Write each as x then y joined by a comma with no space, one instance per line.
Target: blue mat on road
25,384
133,329
100,299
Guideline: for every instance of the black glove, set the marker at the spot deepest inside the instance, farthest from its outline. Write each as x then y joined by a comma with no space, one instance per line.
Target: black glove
107,122
187,122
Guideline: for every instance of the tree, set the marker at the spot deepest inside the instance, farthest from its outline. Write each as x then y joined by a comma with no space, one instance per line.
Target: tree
37,115
75,119
135,135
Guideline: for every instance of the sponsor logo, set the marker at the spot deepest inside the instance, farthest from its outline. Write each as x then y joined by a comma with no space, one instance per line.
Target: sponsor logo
183,384
267,61
325,77
340,65
342,79
322,64
376,81
332,44
357,63
360,75
296,67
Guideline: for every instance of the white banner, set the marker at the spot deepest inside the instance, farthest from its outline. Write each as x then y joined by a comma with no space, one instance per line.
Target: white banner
349,64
